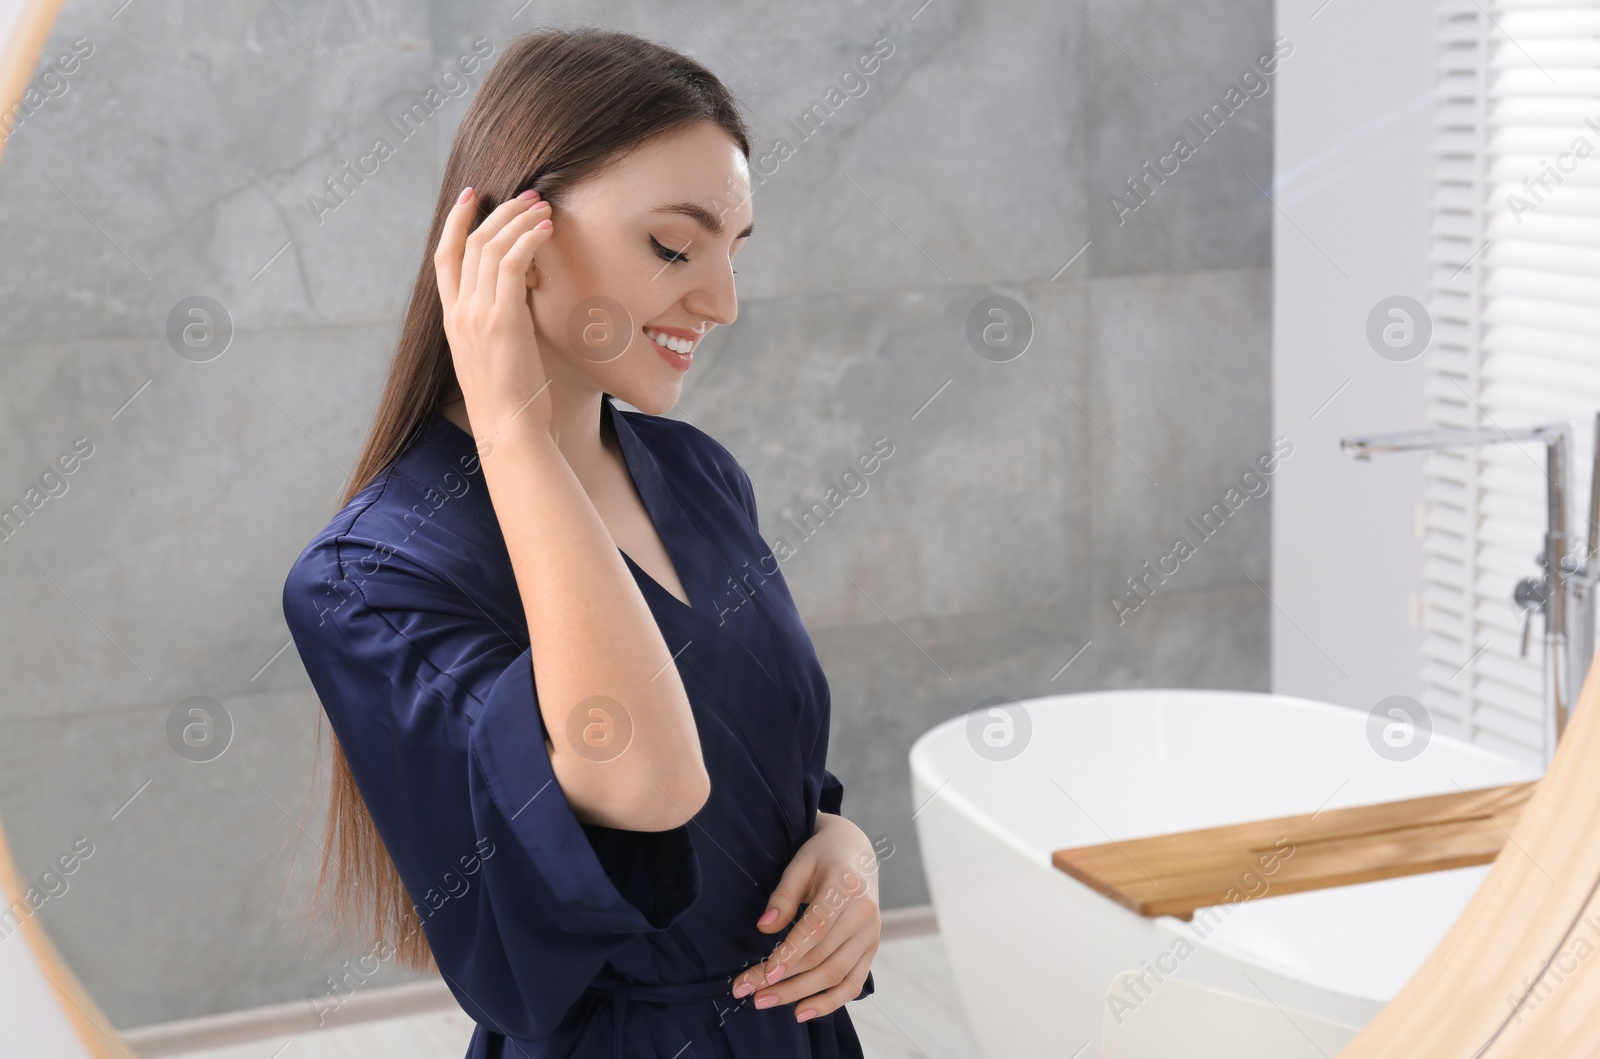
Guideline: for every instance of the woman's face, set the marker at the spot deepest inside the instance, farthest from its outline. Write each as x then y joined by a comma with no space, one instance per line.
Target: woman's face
647,244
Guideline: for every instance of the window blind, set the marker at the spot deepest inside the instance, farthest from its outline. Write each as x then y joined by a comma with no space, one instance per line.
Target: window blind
1514,293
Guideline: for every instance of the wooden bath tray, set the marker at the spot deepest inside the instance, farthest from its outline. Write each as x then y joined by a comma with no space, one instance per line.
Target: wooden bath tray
1172,875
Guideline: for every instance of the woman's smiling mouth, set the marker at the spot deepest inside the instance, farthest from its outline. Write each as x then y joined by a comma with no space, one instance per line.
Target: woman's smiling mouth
675,345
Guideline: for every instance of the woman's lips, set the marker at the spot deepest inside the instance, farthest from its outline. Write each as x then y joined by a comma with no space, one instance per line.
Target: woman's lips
681,361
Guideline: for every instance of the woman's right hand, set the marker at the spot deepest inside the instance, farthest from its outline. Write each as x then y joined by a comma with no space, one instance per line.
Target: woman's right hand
488,310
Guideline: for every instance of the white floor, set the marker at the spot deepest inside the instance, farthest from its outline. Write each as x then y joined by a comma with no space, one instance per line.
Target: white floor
915,1013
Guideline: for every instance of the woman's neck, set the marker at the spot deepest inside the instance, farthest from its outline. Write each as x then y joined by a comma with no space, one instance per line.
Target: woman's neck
575,426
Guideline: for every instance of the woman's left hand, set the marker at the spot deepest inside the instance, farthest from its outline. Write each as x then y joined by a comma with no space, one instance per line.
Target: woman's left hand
825,959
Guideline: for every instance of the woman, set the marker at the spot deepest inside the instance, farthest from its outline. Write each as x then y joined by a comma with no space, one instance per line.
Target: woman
580,729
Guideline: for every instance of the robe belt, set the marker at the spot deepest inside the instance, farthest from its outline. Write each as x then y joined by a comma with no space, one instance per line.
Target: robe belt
667,993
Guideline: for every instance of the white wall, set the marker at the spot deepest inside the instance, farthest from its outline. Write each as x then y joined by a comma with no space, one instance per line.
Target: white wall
1352,162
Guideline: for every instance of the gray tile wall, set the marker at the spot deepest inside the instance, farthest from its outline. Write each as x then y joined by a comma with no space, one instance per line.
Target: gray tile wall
180,161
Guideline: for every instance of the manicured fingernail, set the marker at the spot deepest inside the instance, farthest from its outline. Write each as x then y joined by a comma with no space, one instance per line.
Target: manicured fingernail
466,193
766,1000
743,989
542,224
775,974
767,917
803,1015
529,194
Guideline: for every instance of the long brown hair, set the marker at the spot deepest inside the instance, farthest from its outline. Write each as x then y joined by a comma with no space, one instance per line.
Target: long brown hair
557,107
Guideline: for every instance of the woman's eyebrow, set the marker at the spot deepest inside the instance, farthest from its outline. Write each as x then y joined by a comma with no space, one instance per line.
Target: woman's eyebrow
707,220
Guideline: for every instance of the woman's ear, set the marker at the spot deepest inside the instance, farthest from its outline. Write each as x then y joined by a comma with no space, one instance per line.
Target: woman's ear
533,277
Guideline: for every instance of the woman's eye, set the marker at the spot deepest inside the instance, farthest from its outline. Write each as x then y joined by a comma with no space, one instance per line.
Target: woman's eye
672,255
665,254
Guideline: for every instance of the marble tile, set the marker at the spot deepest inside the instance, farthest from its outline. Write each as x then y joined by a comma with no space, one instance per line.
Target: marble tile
1204,638
1155,67
192,900
1179,390
984,453
167,170
157,573
957,163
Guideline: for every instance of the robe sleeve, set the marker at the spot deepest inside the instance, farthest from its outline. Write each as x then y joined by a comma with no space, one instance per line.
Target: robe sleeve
436,711
832,794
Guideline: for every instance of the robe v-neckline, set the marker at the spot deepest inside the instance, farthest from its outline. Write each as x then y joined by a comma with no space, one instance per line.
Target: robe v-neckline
661,507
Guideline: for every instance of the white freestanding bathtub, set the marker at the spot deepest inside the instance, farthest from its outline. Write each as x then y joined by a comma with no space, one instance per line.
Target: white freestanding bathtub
1035,952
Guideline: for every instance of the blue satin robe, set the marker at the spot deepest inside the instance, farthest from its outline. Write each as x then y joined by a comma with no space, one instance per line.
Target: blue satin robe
567,940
